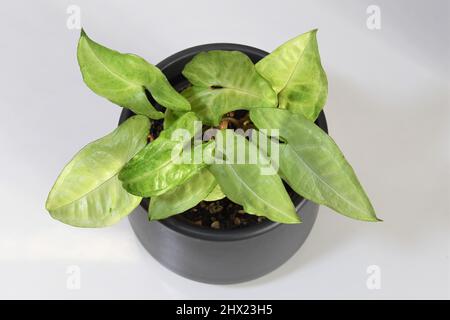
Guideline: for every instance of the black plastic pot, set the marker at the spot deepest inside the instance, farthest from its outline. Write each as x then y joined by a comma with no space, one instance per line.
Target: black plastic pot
220,256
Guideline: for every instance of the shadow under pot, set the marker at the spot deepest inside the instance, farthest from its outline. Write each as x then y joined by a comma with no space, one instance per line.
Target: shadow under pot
222,256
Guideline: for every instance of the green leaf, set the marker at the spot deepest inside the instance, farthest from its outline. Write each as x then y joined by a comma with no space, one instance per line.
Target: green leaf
182,197
170,117
296,74
87,193
262,195
123,78
312,164
187,121
224,81
215,194
154,171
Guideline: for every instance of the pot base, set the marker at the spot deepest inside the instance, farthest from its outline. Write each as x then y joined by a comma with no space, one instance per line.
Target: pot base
221,261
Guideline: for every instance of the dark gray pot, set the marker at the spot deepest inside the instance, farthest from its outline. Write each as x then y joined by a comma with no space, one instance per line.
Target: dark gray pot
220,256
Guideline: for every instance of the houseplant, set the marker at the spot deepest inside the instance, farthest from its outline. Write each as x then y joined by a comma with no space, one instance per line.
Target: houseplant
220,86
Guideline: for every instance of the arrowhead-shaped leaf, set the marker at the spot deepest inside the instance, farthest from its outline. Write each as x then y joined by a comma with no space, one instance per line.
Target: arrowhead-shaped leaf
296,74
224,81
312,164
182,197
154,170
87,193
262,195
123,78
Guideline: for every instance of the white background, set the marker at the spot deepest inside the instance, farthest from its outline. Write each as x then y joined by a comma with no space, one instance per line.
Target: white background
388,109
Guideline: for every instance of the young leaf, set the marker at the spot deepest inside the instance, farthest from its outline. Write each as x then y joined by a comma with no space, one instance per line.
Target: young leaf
215,194
123,78
187,121
154,171
87,193
296,74
313,165
183,197
262,195
170,117
224,81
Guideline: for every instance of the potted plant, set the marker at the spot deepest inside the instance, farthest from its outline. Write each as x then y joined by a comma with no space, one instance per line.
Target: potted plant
248,202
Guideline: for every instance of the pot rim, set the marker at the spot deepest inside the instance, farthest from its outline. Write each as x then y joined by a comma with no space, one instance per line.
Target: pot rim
189,230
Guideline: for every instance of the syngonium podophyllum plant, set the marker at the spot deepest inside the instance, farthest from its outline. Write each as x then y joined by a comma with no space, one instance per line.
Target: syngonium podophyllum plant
284,91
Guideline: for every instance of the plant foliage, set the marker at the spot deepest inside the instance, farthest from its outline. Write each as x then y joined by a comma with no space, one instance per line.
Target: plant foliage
284,91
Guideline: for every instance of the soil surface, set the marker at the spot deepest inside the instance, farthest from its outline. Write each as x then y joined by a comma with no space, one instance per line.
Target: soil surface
219,214
224,214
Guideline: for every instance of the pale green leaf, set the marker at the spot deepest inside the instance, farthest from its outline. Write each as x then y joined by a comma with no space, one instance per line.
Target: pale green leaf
123,78
215,194
182,197
224,81
187,121
87,193
170,117
296,74
312,164
259,194
154,170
